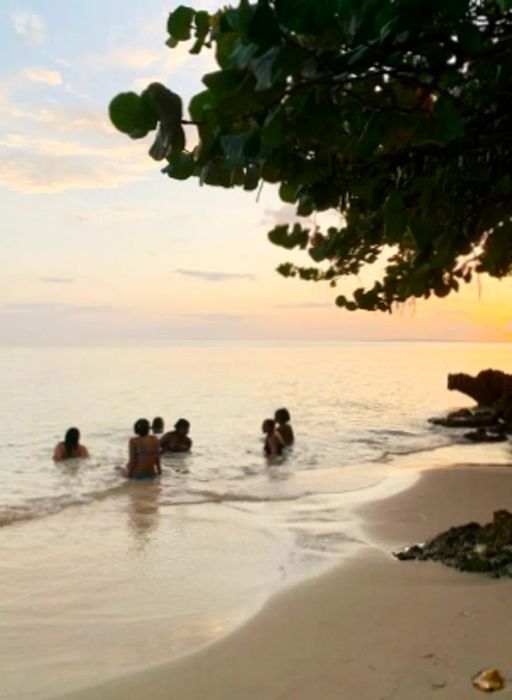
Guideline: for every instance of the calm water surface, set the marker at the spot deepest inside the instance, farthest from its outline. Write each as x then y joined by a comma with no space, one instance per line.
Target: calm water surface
90,562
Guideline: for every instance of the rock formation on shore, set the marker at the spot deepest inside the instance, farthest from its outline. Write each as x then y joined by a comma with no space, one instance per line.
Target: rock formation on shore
472,547
491,388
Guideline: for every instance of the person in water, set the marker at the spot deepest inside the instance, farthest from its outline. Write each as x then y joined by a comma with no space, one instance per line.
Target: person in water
282,418
177,440
71,446
144,453
157,427
273,445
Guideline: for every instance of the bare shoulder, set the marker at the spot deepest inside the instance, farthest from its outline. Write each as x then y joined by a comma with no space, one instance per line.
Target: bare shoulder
58,452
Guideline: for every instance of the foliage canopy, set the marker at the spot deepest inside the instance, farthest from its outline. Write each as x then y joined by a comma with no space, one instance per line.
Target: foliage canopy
395,113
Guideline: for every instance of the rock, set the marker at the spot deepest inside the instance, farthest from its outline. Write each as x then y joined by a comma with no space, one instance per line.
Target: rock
413,552
471,547
491,388
481,435
468,419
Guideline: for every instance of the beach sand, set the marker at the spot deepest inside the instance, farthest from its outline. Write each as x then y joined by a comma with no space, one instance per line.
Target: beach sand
372,629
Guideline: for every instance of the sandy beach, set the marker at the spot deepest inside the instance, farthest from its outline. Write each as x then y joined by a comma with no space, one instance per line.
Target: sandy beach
374,628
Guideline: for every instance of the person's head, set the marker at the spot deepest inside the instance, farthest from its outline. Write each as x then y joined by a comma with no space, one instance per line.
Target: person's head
182,426
282,415
157,425
71,440
268,426
141,427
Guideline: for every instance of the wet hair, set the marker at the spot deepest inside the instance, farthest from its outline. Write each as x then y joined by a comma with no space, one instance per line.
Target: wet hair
268,425
71,441
182,425
282,415
141,427
157,425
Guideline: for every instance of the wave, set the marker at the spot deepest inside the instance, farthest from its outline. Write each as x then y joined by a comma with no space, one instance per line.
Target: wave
50,505
210,496
388,455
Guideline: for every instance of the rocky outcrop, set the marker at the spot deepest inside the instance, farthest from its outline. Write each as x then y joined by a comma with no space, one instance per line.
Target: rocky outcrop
472,547
466,418
482,435
490,388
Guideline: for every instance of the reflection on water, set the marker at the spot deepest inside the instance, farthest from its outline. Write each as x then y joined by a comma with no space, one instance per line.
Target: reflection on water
142,509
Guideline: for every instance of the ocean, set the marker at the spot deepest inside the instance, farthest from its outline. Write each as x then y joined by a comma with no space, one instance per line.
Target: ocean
100,576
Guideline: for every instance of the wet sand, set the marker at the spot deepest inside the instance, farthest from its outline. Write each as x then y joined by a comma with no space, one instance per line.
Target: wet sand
372,629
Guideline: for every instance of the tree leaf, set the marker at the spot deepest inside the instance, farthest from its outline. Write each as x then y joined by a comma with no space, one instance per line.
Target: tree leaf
179,23
181,166
132,115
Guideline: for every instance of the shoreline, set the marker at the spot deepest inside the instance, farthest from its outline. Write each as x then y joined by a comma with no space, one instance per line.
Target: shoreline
372,627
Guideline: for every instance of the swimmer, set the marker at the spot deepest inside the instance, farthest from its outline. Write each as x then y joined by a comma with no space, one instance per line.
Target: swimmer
157,427
71,447
273,445
144,453
177,440
282,418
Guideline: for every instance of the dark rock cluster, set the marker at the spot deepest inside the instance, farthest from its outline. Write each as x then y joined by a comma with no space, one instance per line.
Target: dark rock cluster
490,387
492,417
472,547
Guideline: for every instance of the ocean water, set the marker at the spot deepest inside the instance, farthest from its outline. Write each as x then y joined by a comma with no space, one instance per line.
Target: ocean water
100,576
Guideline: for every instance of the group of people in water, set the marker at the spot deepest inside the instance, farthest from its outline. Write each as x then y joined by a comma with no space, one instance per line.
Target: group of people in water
145,448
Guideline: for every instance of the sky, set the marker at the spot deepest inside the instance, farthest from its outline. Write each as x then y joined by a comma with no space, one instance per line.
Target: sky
98,247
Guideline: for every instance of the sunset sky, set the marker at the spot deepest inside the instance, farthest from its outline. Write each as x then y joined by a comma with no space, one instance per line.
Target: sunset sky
99,247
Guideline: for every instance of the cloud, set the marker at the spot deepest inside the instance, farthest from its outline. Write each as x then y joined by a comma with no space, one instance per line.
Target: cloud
39,165
216,276
127,59
60,147
55,307
214,317
57,280
43,75
284,215
29,25
307,305
42,174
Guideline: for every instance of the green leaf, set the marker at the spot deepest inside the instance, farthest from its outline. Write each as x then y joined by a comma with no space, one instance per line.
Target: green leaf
274,130
224,82
200,105
306,16
181,166
263,68
202,21
278,235
263,29
288,193
166,103
371,137
252,178
132,115
470,38
179,23
216,173
448,123
238,147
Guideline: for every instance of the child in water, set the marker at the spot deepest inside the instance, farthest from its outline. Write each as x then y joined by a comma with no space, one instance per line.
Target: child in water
157,427
273,445
282,418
